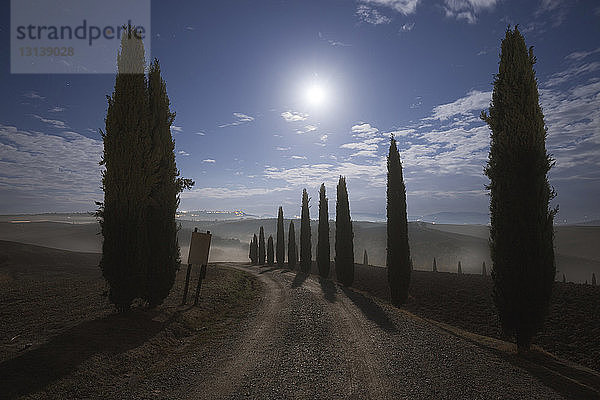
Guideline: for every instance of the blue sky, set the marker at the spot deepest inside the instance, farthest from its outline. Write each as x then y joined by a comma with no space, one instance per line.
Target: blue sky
238,74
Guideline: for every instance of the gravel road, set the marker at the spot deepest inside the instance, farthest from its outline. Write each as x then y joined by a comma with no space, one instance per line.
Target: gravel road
314,339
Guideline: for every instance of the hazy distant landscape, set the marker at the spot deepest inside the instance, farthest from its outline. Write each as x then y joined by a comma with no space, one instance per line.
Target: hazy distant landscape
448,243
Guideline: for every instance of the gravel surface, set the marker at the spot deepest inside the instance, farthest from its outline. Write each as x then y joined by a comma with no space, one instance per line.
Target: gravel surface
315,339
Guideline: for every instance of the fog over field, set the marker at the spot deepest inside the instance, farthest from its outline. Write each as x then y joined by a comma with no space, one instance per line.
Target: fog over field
577,254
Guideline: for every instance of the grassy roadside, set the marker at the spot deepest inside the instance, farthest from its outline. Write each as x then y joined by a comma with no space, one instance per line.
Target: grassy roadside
104,354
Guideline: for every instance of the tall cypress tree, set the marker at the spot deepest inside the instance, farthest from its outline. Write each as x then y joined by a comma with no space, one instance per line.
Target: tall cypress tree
280,246
365,258
162,255
483,269
434,265
398,251
459,269
323,250
292,247
521,231
344,237
305,240
270,252
261,247
127,145
254,250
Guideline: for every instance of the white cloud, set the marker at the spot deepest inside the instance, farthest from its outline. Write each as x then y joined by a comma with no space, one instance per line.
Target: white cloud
407,27
279,148
176,128
402,6
183,153
467,9
298,157
239,119
364,130
293,116
47,172
307,129
580,55
33,95
56,109
209,160
473,101
52,122
229,193
371,15
571,72
199,133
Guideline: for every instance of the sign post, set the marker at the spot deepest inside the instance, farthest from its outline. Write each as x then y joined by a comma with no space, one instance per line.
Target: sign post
199,249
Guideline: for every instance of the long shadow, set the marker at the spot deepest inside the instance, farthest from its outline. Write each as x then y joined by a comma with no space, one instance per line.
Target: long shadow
114,334
328,288
299,279
268,270
370,309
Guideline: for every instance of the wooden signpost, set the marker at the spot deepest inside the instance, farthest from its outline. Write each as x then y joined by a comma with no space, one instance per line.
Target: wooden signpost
198,255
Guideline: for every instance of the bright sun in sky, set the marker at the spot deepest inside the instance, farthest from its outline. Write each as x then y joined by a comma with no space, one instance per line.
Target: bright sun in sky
316,95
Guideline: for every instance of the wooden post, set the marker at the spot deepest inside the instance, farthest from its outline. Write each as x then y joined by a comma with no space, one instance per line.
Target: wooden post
187,284
202,272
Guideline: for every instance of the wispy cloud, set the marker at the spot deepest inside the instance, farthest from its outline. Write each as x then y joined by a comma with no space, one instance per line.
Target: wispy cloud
278,148
239,120
33,95
183,153
298,157
580,55
42,172
371,15
52,122
467,9
334,43
306,129
473,101
56,109
293,116
402,6
407,27
209,160
229,193
176,128
364,130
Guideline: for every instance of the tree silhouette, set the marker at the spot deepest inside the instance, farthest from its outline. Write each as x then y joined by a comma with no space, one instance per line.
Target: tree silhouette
593,279
365,258
459,269
292,247
323,250
483,269
521,231
140,254
280,246
261,247
434,265
270,252
254,250
305,244
398,251
564,279
344,237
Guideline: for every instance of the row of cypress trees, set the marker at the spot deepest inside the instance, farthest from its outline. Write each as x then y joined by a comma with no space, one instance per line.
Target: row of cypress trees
459,268
141,183
344,260
259,253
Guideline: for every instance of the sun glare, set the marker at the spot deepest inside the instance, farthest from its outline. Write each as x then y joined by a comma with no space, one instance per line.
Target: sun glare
316,95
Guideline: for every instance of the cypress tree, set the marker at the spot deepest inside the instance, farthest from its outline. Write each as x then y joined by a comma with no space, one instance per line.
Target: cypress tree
344,245
521,231
292,247
280,252
261,247
459,271
270,252
398,252
483,270
564,279
323,249
593,279
127,145
254,250
365,258
434,265
305,235
251,251
162,256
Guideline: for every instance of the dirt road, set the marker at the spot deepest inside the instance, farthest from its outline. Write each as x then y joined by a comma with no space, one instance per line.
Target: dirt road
314,339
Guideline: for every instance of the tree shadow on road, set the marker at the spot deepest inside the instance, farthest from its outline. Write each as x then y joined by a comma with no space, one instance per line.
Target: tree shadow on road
39,367
329,289
299,279
268,270
370,309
